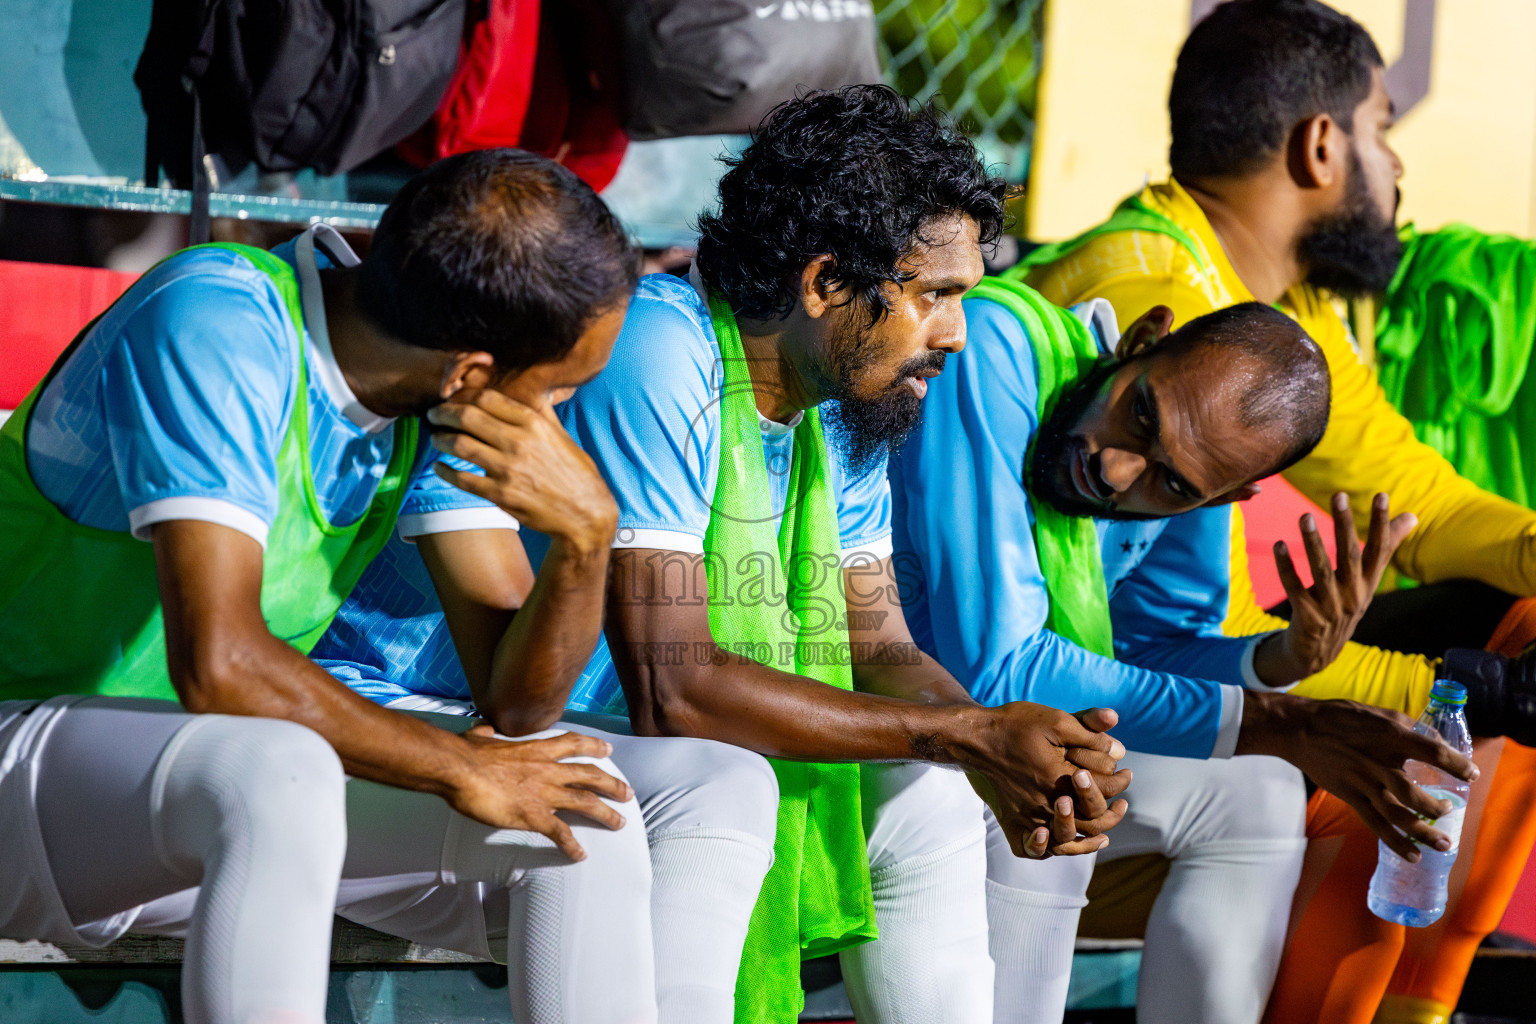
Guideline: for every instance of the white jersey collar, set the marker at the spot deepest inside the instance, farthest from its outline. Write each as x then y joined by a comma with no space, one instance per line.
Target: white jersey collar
331,378
1099,317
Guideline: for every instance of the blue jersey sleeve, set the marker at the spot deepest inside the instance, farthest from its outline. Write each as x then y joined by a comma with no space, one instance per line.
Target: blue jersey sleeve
199,387
864,509
1168,612
968,523
431,493
650,420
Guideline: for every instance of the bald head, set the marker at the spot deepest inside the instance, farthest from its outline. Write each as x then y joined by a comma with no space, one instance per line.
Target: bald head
1183,419
1277,371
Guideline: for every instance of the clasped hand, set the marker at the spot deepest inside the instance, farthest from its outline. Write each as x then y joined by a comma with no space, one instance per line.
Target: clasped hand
1050,778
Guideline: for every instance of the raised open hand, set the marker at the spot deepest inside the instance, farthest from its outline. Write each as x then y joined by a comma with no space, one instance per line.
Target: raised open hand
1324,615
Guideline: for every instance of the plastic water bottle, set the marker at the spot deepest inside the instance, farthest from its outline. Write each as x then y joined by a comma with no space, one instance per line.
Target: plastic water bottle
1414,894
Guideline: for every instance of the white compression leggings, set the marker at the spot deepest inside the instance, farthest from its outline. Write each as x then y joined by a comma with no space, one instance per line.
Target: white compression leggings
926,858
710,811
139,802
1234,831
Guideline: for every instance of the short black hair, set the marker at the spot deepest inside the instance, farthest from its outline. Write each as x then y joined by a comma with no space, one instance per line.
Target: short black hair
499,251
1294,394
1254,69
856,174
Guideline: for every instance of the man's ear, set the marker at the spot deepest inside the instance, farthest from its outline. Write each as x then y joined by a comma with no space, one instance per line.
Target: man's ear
1242,493
1144,332
1319,153
815,293
466,370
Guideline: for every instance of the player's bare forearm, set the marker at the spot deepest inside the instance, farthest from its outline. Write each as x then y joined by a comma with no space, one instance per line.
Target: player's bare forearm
223,659
903,671
721,695
679,682
886,660
522,640
549,642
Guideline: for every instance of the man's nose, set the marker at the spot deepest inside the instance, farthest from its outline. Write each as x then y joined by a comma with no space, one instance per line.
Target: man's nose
949,340
1120,468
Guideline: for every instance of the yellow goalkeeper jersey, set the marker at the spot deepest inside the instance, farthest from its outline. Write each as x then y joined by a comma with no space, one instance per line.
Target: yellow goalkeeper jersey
1463,532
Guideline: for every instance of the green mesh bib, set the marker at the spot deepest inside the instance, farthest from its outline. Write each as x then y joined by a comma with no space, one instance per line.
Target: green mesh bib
1067,546
775,595
80,607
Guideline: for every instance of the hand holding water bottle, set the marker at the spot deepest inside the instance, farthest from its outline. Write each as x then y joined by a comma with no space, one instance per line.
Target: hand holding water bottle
1360,754
1414,893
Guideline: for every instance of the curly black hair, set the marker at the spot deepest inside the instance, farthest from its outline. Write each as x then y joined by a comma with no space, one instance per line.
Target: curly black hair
1255,69
856,174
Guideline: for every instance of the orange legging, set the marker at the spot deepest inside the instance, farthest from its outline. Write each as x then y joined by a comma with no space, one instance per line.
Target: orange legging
1343,964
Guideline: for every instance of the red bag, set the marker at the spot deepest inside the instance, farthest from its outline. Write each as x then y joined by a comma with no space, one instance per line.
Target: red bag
538,76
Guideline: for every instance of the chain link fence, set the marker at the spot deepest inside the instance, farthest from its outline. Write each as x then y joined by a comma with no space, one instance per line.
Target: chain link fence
980,59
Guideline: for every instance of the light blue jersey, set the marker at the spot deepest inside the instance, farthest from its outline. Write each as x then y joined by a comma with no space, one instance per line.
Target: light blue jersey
651,422
974,593
174,406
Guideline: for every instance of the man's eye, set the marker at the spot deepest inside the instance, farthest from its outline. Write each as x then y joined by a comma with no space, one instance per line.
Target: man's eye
1140,411
1177,486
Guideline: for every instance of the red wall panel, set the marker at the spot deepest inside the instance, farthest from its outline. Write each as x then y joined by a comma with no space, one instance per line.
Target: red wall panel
42,307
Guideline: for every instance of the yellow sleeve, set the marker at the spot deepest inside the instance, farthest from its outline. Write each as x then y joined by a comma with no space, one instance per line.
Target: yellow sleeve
1385,679
1463,531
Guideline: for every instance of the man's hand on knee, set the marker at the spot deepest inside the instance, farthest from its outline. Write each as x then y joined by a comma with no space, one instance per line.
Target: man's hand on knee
524,784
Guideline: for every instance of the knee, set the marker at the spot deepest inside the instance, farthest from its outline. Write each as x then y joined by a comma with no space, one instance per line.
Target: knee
745,792
1265,800
262,779
724,787
1283,792
916,811
623,850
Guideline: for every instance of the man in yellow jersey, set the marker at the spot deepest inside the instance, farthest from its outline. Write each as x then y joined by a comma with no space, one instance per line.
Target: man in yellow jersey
1283,191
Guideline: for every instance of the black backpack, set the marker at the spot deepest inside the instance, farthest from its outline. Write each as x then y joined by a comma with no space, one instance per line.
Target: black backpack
287,84
712,67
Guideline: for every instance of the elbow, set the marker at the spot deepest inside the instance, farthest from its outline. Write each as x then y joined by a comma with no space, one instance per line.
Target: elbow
209,678
661,704
521,721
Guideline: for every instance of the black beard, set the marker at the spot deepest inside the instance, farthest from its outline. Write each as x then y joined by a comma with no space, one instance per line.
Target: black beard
1355,251
1048,472
864,430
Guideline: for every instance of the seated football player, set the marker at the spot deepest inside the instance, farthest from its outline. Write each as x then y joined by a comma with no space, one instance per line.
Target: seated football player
1283,190
742,426
1051,513
186,499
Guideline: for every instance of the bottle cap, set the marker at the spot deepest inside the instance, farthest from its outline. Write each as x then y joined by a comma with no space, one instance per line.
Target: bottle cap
1448,692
